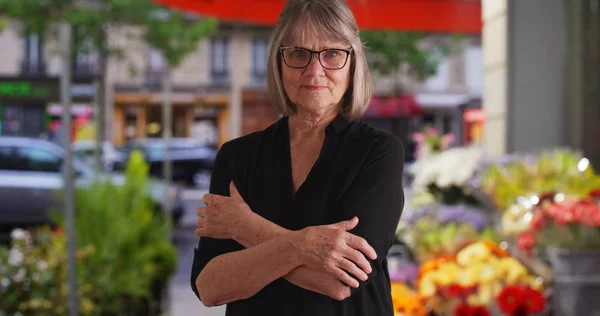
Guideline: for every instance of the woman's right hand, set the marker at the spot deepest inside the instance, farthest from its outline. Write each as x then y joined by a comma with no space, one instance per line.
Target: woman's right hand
336,251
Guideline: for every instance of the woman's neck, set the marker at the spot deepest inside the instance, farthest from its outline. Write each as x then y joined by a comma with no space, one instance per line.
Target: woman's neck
308,125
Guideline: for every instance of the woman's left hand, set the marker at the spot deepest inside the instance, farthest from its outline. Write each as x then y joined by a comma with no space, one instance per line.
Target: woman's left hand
223,217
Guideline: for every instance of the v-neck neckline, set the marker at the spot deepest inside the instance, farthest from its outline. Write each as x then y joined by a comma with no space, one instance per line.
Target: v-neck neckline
290,171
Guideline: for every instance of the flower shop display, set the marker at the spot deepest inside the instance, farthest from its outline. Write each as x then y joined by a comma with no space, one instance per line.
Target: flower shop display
446,175
472,281
550,172
567,229
441,230
33,275
431,142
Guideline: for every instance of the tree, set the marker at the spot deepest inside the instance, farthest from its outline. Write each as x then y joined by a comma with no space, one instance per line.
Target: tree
388,50
93,20
174,36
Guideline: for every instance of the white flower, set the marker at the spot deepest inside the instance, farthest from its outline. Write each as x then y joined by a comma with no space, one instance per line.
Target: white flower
5,282
20,234
42,265
15,257
451,167
19,276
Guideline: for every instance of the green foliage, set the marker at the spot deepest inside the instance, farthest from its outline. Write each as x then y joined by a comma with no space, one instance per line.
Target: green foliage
93,18
388,50
3,23
133,252
550,172
174,36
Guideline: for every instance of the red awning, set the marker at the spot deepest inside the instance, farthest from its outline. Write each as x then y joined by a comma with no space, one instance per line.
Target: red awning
405,105
437,16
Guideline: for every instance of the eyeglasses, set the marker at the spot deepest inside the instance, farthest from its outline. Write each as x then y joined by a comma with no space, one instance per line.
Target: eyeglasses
298,57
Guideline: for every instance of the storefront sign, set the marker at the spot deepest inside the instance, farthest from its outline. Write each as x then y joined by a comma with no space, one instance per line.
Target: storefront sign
23,89
28,90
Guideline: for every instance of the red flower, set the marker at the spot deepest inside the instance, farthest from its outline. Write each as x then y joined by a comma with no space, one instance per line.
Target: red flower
561,213
510,299
595,193
462,310
455,290
538,221
533,301
479,311
526,240
59,230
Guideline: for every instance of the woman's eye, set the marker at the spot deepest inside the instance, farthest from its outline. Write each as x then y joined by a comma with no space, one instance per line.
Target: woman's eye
299,53
332,53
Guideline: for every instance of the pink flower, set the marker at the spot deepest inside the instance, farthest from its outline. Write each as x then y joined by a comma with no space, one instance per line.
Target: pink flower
430,131
418,137
447,140
526,240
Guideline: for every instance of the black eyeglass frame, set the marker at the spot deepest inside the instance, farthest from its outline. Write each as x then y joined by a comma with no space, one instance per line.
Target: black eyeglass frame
312,52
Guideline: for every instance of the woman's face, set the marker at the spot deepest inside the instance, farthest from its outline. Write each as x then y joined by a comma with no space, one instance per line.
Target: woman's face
314,88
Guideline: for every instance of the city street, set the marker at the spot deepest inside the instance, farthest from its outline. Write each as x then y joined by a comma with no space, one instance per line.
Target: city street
183,300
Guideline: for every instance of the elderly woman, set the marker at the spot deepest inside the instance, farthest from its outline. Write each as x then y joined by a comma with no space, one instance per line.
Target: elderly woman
300,216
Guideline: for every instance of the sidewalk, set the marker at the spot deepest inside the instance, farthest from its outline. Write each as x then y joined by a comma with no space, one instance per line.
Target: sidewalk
182,300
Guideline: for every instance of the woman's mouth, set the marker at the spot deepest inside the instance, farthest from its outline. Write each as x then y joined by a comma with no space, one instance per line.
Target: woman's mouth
314,88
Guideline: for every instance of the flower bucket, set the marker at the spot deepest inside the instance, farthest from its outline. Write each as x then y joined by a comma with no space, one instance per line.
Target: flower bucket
576,289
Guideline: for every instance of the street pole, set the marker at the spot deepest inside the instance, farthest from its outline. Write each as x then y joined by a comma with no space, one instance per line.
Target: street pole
65,97
167,131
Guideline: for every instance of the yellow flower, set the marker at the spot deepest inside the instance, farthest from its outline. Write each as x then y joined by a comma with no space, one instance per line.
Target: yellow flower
476,252
472,274
487,273
511,270
427,286
446,274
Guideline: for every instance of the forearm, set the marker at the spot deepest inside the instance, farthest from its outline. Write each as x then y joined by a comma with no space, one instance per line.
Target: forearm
240,275
259,230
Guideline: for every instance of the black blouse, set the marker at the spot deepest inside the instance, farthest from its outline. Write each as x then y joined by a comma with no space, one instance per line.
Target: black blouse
358,173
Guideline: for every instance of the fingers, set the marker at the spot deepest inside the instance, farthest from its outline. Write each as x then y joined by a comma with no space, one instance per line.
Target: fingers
233,191
344,277
353,269
201,211
347,225
361,244
206,198
359,259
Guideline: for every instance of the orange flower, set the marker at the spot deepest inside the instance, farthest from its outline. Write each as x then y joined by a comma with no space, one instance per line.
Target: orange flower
499,252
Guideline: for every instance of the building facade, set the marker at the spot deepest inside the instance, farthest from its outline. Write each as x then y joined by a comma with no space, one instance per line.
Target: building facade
219,91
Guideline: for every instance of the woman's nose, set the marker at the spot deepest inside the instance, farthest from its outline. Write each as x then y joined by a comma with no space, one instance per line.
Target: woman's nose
314,66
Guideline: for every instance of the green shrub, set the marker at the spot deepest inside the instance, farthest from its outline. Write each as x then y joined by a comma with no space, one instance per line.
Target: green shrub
133,254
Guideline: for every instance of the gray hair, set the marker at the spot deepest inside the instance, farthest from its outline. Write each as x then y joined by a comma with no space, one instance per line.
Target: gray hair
333,20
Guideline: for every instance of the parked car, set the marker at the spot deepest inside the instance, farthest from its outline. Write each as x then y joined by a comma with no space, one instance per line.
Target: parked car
85,151
192,161
31,174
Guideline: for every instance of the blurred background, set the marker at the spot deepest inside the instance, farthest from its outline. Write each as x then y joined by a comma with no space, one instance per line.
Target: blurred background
497,103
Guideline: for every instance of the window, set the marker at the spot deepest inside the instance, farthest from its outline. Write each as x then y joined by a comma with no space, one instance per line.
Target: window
35,159
33,64
156,66
259,59
220,60
83,60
